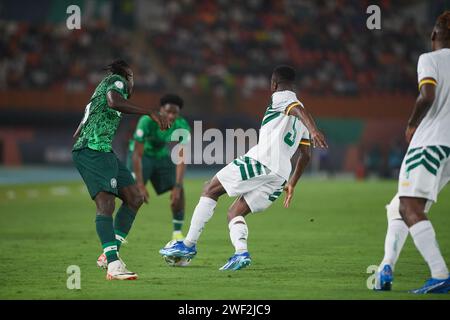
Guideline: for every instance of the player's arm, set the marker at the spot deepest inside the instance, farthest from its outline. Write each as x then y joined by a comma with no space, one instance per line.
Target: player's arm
117,102
302,162
317,137
137,168
427,92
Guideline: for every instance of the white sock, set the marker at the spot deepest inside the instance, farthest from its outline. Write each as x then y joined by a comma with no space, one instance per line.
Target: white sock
425,240
238,234
396,235
202,213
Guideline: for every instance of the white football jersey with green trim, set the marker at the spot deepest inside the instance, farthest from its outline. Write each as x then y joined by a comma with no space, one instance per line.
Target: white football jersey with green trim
279,135
433,129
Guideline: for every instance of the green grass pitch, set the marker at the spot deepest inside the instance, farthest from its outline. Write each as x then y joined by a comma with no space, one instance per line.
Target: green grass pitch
320,248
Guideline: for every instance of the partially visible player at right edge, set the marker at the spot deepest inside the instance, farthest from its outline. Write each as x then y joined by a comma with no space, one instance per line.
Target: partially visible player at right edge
259,177
426,167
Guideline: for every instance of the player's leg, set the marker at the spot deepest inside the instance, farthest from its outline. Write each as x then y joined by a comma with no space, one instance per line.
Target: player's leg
396,235
105,203
99,171
238,235
237,225
177,206
132,200
202,214
164,179
424,236
419,186
264,190
204,210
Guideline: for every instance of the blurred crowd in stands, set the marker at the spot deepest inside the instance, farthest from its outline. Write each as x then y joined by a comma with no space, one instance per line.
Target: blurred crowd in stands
46,56
223,46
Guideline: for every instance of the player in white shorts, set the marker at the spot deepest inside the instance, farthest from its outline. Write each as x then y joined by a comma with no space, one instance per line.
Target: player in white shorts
425,169
259,177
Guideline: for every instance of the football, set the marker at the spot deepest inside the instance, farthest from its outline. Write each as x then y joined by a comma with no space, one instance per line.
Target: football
175,261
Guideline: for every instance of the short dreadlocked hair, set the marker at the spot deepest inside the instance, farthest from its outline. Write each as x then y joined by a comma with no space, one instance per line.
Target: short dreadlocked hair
119,67
442,26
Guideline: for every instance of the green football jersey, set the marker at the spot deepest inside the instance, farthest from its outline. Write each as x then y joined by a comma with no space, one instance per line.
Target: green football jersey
155,140
100,122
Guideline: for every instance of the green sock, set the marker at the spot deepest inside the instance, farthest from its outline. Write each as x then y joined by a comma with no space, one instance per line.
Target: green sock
105,231
122,224
178,219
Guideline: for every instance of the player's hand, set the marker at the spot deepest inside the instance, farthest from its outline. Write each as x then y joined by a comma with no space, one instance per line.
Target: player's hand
289,194
409,133
144,192
176,194
161,120
318,139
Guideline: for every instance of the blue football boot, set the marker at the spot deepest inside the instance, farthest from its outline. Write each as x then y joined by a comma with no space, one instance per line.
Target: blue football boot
237,262
434,286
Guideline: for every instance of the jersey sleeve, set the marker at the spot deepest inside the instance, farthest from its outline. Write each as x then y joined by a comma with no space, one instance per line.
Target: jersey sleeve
142,129
118,84
306,138
427,71
291,105
185,132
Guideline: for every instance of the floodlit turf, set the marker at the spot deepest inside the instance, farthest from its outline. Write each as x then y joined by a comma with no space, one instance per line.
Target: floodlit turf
318,249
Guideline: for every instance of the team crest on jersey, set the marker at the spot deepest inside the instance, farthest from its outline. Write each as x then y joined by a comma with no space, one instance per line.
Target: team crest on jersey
119,84
140,133
113,183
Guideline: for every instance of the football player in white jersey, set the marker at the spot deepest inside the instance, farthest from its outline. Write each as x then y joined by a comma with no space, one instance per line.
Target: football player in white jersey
426,167
259,177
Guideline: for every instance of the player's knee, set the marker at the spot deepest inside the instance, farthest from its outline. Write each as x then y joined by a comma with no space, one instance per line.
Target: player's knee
393,209
135,201
105,206
207,190
409,213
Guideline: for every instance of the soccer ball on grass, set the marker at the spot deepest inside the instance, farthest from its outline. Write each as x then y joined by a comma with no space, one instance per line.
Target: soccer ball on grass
175,261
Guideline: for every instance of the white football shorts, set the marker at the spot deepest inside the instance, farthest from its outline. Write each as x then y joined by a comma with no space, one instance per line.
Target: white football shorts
424,173
249,178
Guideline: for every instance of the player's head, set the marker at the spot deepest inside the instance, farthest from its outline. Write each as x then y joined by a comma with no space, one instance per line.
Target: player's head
282,76
171,105
440,37
121,68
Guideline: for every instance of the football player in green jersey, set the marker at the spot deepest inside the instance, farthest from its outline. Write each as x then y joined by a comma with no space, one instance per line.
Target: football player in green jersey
149,158
105,176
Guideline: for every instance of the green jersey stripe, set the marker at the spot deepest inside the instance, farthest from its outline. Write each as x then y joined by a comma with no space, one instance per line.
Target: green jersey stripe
423,162
258,168
251,173
411,151
446,150
437,151
241,166
270,118
432,159
429,167
413,158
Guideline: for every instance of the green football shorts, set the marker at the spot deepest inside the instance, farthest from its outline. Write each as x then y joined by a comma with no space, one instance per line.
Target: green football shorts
160,171
102,171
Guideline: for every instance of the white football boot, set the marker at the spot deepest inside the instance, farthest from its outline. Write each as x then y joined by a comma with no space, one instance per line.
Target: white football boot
118,271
